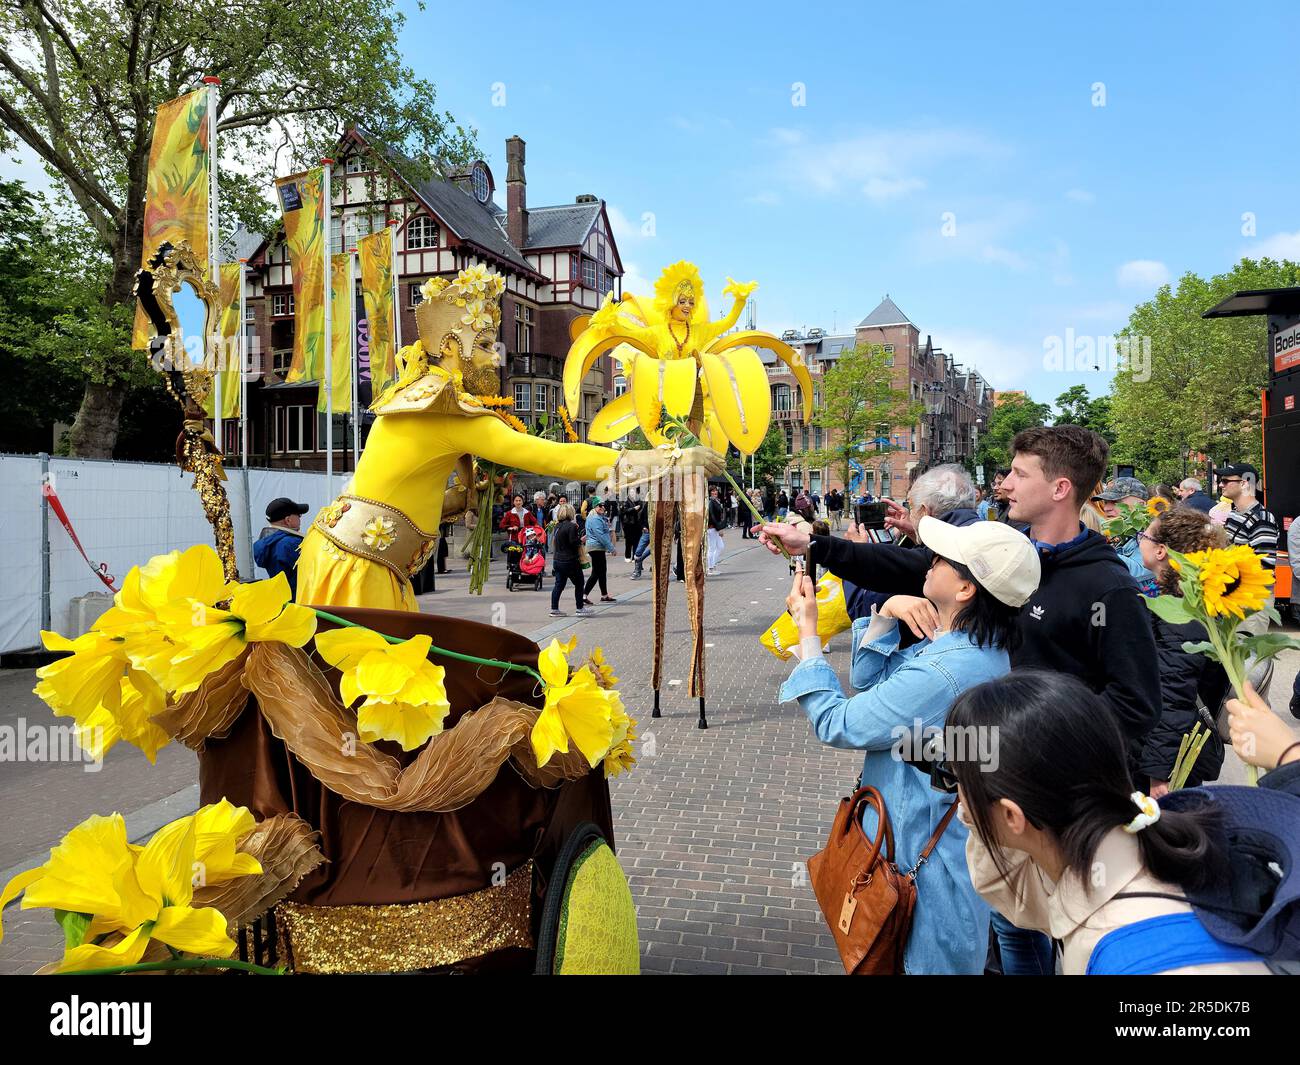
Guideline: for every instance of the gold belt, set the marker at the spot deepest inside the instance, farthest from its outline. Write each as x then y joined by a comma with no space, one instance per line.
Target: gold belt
405,937
377,531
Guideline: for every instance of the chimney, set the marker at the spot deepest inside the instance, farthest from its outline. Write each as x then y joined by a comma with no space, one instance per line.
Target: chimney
516,194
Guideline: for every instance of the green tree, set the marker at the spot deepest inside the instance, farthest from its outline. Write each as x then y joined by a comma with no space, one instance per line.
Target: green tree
1075,407
1009,417
771,458
859,406
1191,384
80,83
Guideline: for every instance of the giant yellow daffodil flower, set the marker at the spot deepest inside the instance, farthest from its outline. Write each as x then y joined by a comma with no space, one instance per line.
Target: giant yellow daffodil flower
405,696
115,898
577,709
669,349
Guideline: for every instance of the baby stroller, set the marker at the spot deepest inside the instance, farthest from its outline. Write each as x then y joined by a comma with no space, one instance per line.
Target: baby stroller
526,557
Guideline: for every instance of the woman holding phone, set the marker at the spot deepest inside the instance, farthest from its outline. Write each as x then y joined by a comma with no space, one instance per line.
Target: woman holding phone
980,577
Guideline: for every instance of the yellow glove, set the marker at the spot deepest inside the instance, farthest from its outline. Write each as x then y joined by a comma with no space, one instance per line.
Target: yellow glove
741,290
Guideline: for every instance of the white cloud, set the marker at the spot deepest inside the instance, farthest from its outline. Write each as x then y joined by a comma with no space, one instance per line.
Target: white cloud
763,199
882,164
1278,246
636,282
1080,196
1003,364
1143,273
1004,257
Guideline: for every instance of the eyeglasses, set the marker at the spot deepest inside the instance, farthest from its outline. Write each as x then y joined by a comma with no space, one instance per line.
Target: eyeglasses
1149,539
1229,480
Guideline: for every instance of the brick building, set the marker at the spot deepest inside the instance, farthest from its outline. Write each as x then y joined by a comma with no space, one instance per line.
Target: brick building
558,262
957,403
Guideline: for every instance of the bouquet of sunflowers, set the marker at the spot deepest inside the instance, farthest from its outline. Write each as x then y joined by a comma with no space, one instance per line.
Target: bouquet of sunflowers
1220,589
1134,518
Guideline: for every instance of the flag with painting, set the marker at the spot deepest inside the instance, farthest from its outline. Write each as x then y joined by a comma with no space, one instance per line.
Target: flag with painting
302,204
176,189
341,297
228,354
376,253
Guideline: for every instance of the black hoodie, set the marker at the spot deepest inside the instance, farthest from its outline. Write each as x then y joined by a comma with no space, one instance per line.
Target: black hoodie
1086,618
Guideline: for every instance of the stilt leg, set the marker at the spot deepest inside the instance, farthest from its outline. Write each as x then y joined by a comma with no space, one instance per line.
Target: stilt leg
704,721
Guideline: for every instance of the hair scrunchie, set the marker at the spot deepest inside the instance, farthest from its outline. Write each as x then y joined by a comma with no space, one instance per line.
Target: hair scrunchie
1148,812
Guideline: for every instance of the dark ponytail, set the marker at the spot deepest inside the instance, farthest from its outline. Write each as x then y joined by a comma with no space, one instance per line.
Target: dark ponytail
1060,756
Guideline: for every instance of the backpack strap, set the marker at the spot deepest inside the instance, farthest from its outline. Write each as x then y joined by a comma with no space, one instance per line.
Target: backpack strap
1158,944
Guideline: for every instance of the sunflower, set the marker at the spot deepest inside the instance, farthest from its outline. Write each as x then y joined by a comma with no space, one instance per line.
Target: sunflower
1157,505
1233,580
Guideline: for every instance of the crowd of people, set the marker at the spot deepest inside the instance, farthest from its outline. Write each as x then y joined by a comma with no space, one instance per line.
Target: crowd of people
1014,619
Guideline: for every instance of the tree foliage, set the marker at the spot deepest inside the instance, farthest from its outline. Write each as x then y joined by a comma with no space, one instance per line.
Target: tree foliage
1192,384
858,409
1075,407
1010,415
80,81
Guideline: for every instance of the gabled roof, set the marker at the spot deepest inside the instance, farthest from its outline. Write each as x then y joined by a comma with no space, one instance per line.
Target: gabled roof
241,244
454,206
564,226
887,313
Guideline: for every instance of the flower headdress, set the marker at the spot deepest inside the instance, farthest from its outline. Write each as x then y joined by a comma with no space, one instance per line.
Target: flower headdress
672,282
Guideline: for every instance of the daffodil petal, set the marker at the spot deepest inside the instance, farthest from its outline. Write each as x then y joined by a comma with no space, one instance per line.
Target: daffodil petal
195,930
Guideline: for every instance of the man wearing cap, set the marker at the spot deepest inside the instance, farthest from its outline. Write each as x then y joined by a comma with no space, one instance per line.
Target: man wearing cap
276,550
1249,523
1129,492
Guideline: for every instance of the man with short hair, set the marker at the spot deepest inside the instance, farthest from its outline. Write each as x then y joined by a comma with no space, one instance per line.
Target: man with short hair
1191,495
717,516
276,550
1249,523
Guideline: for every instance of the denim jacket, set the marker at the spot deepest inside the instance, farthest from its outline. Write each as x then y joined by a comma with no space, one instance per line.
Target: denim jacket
598,533
900,693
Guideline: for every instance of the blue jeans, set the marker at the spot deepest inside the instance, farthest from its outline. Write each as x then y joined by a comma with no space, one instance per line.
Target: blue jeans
1024,952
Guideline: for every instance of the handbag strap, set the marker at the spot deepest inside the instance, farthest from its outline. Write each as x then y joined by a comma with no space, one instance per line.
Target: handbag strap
942,827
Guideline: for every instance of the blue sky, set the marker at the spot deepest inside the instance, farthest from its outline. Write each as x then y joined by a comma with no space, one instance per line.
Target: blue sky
1066,214
1061,215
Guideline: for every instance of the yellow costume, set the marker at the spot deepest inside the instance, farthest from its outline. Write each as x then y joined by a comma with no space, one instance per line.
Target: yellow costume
682,364
363,548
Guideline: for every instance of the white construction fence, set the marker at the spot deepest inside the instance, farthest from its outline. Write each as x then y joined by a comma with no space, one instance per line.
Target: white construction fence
123,513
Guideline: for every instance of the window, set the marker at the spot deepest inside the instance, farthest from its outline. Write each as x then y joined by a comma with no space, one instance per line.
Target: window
281,304
539,404
354,165
421,232
417,297
523,328
522,396
620,385
781,397
803,438
817,439
608,284
889,349
600,247
789,439
336,234
589,273
573,266
295,428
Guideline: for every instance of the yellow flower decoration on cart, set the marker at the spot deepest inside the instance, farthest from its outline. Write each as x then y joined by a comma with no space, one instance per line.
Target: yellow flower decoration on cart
577,709
113,898
405,698
670,348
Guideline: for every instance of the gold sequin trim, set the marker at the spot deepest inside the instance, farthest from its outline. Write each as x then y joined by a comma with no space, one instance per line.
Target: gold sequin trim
403,938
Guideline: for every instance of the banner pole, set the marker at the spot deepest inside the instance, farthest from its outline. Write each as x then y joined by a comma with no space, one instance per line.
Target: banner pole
214,253
397,302
243,362
352,357
327,211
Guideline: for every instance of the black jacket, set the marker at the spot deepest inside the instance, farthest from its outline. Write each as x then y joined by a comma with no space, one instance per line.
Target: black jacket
565,541
1200,501
1085,619
1184,678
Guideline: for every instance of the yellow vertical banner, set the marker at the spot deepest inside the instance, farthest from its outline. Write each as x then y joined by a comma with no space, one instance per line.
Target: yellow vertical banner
176,189
302,205
341,326
227,355
376,252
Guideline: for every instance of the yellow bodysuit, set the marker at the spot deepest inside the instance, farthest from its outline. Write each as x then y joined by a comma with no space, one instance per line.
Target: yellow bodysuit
405,466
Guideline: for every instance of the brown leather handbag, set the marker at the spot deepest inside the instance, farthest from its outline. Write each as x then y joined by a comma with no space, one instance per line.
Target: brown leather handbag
866,900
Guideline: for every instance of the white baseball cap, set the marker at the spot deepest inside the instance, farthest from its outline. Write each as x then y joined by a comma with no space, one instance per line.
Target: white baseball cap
1002,560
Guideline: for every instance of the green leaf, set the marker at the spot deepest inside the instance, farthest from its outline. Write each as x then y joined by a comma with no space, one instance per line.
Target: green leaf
1267,644
1271,613
1170,608
74,925
1204,647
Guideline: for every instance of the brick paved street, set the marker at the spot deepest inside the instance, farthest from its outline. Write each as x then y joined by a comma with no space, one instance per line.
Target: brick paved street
713,826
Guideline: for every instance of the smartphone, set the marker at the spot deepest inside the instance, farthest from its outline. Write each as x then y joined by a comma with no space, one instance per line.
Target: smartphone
870,515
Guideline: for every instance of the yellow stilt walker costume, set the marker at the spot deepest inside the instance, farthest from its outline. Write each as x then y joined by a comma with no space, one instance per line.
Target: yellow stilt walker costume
684,366
363,548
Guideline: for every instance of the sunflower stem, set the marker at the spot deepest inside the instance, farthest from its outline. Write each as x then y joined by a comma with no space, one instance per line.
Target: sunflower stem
512,666
177,964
